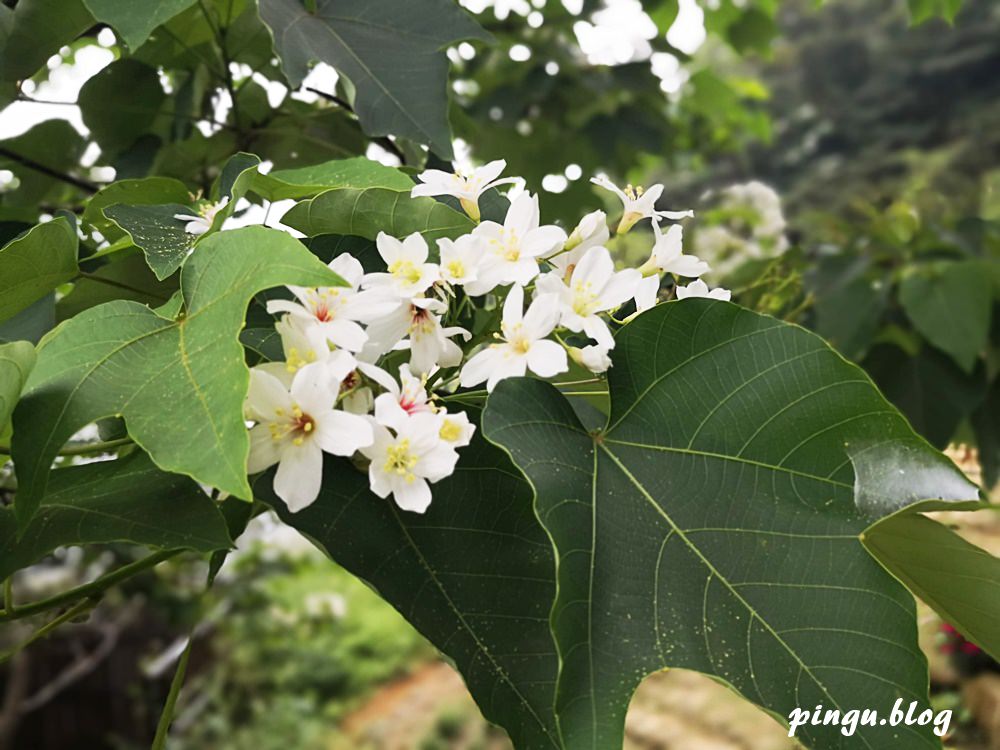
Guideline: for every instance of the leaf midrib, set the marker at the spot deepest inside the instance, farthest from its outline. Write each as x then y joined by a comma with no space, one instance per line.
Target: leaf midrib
675,528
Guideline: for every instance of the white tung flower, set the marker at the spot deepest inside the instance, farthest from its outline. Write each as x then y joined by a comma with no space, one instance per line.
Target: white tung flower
466,187
511,251
592,231
200,224
699,288
404,461
456,428
429,342
408,272
401,401
668,255
594,287
594,358
460,259
295,425
336,311
523,344
638,203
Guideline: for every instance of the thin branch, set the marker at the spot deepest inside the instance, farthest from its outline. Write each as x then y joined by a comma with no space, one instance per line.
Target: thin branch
82,450
69,179
92,589
71,613
383,141
167,716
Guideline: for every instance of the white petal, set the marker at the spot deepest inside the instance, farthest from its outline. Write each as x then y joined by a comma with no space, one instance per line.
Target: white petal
542,316
595,267
547,358
388,247
508,365
687,265
299,475
266,396
348,268
415,248
413,496
264,450
479,367
620,289
439,462
346,334
389,413
645,293
542,241
513,306
598,330
490,171
342,434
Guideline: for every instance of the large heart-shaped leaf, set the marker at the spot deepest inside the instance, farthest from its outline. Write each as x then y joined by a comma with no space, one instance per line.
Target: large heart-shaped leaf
714,524
179,384
120,103
474,574
391,50
35,263
34,31
136,19
951,304
959,580
364,212
127,500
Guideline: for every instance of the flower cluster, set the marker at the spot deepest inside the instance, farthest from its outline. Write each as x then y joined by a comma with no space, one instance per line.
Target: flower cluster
547,297
746,223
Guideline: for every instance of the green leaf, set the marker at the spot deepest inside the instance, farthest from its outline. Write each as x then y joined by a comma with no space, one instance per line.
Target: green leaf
34,31
128,500
391,50
921,10
136,19
364,212
987,431
125,278
179,385
954,577
714,524
950,305
163,238
474,574
35,263
147,191
52,144
928,388
120,103
359,173
155,231
16,360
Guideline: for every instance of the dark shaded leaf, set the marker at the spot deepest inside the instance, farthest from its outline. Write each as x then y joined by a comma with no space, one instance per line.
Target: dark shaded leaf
714,524
127,500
